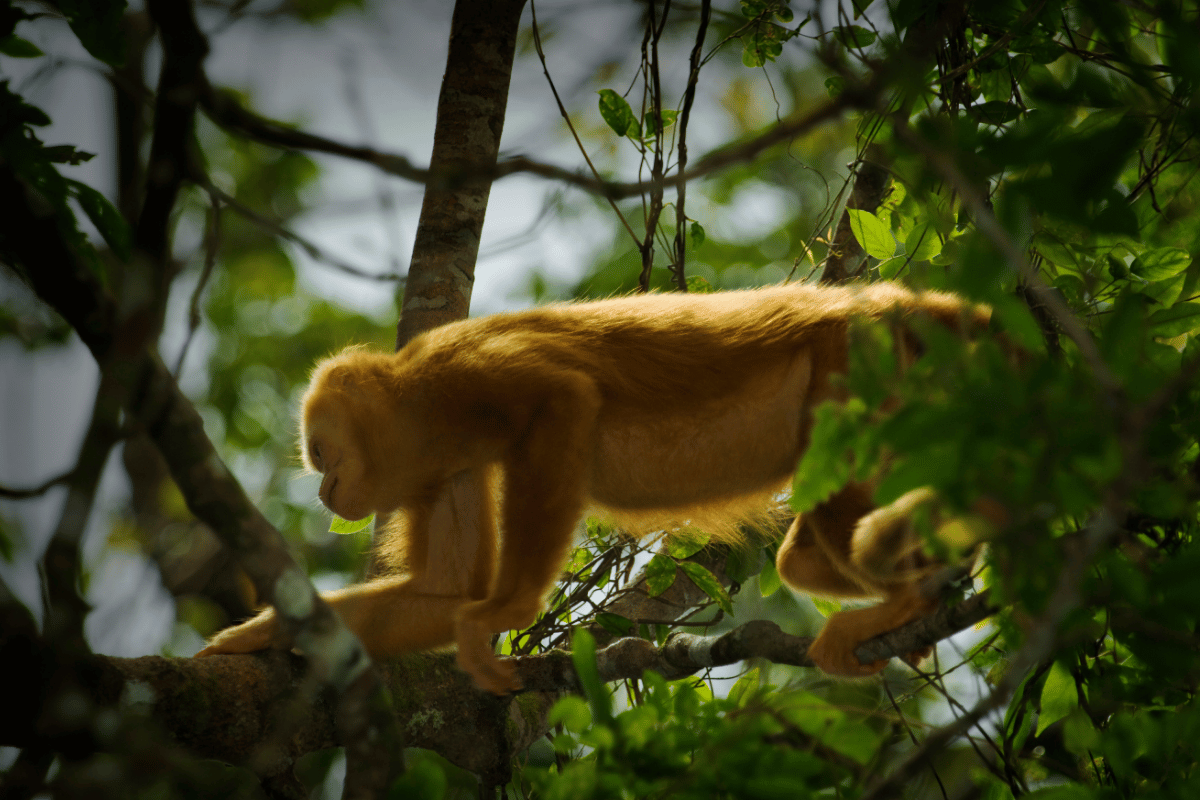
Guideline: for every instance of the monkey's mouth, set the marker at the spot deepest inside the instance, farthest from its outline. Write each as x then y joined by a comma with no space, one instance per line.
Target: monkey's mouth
327,499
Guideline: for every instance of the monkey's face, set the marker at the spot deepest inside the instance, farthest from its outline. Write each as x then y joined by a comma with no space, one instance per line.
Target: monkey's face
332,446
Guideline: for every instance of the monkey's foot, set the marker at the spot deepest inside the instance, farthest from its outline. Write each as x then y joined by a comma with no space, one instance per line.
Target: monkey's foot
833,651
475,657
834,655
915,658
260,633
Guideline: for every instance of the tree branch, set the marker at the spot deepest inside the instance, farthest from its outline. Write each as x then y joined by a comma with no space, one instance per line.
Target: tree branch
436,702
9,493
685,654
225,110
154,401
845,253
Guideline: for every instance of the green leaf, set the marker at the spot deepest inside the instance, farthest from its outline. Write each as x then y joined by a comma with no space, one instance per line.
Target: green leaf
617,113
826,607
823,468
997,112
1179,318
1018,323
752,8
599,528
751,56
615,623
854,36
832,726
14,111
1079,734
768,579
580,557
1160,263
1165,292
571,712
1043,51
668,117
922,242
339,525
97,23
743,562
16,47
708,583
744,688
660,574
1017,720
106,218
996,791
424,779
1073,289
760,47
695,237
871,233
1117,268
65,153
583,655
891,267
1059,697
835,85
686,543
895,196
698,285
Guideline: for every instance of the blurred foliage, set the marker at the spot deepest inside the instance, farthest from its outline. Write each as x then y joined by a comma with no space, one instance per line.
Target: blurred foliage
1078,126
1027,142
680,740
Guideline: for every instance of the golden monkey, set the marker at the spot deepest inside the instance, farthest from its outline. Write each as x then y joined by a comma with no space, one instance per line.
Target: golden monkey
658,408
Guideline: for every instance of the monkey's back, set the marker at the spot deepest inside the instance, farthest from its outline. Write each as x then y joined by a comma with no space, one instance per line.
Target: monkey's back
672,347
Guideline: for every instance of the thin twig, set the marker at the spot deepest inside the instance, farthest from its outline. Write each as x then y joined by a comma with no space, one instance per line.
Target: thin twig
9,493
313,250
562,110
212,242
689,96
654,31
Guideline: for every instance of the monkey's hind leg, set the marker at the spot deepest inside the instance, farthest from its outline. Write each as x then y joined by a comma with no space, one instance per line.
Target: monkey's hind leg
847,548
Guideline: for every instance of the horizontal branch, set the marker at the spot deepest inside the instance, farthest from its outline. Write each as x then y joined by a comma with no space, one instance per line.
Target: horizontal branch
224,109
685,654
9,493
226,707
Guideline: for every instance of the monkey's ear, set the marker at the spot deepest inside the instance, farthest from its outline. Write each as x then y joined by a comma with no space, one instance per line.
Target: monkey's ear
336,374
340,376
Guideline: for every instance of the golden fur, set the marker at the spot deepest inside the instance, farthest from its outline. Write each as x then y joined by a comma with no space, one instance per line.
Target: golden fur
660,409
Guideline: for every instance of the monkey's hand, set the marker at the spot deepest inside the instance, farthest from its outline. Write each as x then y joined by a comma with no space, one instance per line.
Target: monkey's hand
260,633
475,657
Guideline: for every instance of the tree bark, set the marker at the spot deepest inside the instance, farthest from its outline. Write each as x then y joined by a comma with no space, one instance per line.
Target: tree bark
845,258
470,118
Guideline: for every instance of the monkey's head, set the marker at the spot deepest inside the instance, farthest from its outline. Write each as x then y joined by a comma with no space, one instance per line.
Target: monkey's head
334,437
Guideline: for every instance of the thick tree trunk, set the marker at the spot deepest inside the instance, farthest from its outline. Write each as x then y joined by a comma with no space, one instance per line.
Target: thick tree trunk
470,118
